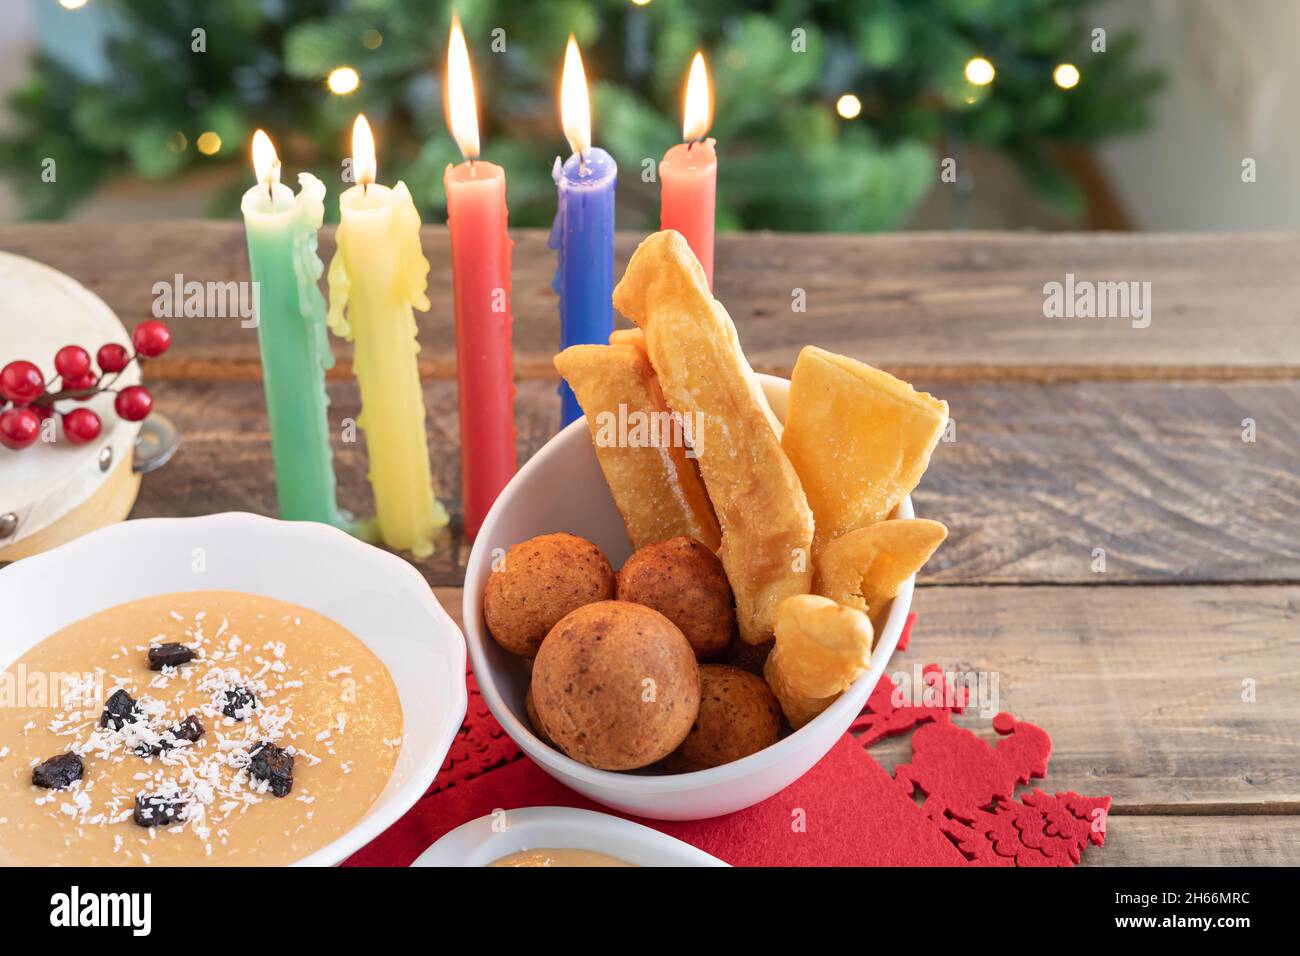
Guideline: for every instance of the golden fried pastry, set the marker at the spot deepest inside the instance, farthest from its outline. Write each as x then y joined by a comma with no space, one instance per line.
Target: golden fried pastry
628,337
640,446
821,648
866,568
738,717
616,685
684,581
767,526
859,439
541,580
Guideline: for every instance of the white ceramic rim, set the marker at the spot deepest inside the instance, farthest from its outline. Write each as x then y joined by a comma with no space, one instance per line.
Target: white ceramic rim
478,843
405,795
853,699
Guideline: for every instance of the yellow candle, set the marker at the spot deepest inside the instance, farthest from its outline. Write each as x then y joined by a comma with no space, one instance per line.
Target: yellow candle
377,275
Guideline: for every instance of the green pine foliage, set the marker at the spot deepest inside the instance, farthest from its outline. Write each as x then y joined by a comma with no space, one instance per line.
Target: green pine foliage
787,160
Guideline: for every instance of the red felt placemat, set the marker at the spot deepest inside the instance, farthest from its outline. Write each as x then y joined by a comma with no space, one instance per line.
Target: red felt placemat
846,811
953,804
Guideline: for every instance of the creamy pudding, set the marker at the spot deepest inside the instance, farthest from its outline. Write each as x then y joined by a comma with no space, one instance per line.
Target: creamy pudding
209,727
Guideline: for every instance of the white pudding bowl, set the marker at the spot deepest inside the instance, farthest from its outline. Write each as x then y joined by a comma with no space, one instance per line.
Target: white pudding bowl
561,488
377,596
487,839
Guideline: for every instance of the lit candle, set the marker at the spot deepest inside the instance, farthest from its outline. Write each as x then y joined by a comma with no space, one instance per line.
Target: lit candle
688,175
377,275
583,232
290,310
480,271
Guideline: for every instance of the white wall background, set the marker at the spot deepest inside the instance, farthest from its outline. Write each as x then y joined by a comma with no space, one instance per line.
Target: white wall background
1233,91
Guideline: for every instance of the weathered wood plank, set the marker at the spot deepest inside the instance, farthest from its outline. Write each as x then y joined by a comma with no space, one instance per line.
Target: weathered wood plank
1198,841
1140,688
949,305
1039,477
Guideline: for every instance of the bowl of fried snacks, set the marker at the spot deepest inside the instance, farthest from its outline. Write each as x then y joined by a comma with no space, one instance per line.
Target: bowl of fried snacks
682,601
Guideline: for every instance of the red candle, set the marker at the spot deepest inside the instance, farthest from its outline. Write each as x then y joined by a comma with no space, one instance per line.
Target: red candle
688,175
480,267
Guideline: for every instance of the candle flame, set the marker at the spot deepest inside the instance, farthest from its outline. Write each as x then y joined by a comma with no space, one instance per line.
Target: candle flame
363,152
697,112
462,106
575,104
266,164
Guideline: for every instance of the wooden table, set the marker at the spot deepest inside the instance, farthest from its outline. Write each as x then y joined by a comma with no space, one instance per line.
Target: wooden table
1072,435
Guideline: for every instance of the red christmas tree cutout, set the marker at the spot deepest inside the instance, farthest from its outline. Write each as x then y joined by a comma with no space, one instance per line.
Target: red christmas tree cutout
968,786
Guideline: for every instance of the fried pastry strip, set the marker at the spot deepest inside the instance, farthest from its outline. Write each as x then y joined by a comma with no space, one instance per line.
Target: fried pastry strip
821,648
655,485
767,526
859,438
866,568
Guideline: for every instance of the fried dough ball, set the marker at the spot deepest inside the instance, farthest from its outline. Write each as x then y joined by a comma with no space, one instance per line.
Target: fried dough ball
534,721
541,580
616,685
685,582
739,716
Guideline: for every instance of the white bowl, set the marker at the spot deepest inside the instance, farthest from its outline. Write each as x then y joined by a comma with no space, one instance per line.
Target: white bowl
562,489
489,838
376,595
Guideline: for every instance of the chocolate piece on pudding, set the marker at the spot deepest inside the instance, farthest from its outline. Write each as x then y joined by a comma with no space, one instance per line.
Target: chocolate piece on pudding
238,702
190,729
58,772
273,764
169,655
156,810
120,709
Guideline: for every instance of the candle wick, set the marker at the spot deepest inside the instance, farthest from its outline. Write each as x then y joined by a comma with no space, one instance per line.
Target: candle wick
270,191
690,145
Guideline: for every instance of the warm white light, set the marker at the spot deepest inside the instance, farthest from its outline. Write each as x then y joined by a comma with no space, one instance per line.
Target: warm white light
72,4
575,104
462,107
635,3
363,152
1066,76
343,80
848,106
208,143
980,71
266,164
697,113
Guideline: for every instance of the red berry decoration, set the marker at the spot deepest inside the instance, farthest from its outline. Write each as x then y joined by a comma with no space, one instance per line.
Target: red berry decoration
112,357
81,425
19,427
21,381
134,403
80,383
72,361
151,338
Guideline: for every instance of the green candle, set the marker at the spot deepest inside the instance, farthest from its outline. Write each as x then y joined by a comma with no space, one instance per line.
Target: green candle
291,334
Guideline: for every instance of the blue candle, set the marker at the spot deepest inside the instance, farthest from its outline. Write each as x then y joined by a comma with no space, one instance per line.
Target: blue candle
583,233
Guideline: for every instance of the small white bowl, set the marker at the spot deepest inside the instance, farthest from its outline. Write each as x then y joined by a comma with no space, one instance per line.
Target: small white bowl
562,489
376,595
489,838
